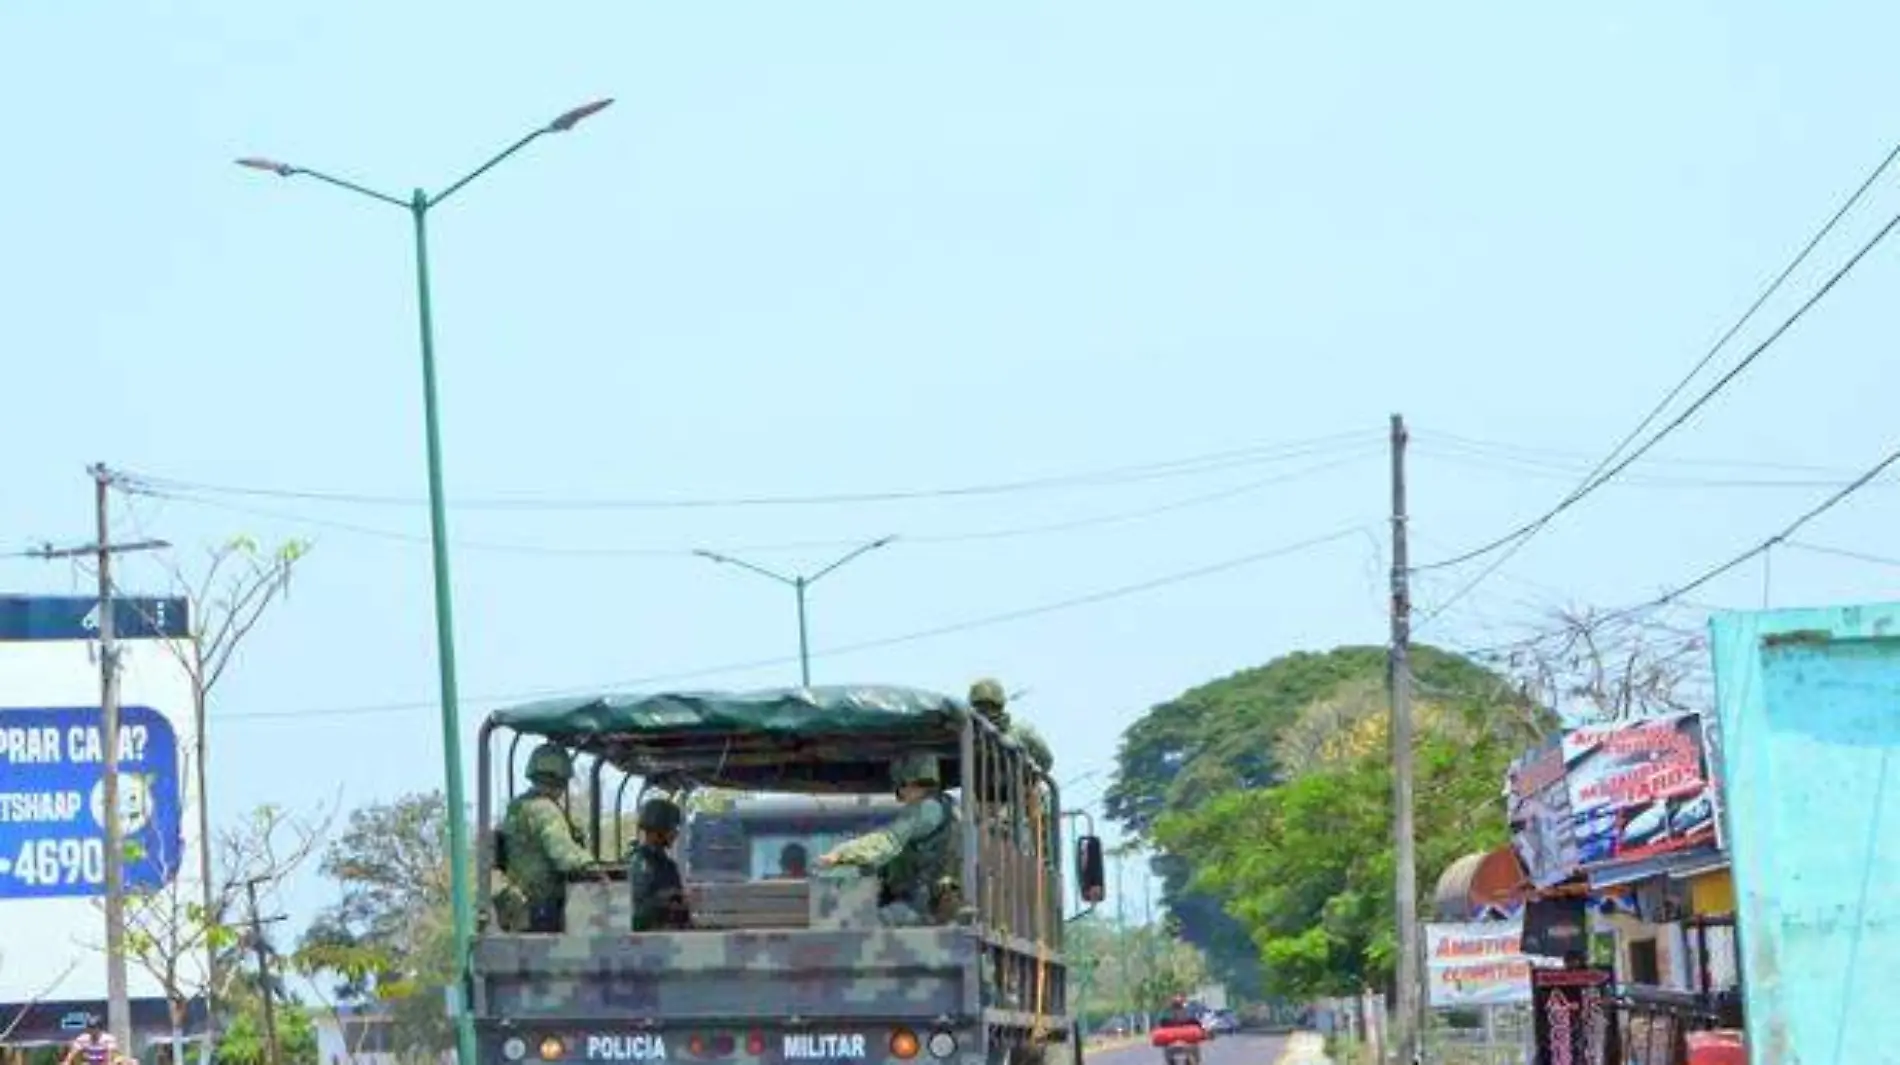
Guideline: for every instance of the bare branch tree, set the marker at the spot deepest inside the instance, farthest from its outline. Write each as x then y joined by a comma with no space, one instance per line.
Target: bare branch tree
176,938
1608,666
228,597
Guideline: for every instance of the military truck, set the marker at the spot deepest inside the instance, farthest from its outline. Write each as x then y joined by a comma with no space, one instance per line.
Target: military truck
781,970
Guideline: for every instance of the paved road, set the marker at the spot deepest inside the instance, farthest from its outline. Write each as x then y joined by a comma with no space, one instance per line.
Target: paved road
1243,1049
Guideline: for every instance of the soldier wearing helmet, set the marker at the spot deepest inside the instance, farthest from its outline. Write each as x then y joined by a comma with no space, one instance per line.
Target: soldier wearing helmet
659,895
916,856
987,698
542,847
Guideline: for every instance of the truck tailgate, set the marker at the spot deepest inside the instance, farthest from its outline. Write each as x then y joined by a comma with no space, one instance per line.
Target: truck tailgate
888,973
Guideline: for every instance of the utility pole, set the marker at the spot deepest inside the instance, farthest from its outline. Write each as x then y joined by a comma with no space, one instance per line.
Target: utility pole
264,982
1151,933
118,1008
1405,889
1121,937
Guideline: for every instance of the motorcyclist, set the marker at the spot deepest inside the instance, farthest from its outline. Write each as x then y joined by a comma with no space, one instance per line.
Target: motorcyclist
1177,1014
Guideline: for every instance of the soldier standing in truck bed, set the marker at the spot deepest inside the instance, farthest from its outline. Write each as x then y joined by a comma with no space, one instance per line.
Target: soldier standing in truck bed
659,896
916,856
540,847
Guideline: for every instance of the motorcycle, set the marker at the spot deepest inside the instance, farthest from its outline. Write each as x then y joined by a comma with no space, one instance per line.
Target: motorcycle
1180,1043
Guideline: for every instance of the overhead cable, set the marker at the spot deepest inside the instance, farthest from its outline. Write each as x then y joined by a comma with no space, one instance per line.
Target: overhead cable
913,636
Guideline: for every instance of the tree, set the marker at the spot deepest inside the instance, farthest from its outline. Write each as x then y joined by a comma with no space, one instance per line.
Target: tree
1607,666
388,941
1239,733
180,939
1131,969
238,582
1307,866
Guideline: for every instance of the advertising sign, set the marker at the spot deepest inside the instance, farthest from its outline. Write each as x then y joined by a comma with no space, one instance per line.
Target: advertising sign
1571,1017
1639,788
52,750
52,801
1476,964
1537,800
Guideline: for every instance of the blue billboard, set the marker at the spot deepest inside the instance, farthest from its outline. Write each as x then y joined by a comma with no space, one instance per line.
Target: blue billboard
52,803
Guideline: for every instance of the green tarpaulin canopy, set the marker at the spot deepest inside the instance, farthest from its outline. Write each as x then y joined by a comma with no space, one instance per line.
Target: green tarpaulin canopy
836,738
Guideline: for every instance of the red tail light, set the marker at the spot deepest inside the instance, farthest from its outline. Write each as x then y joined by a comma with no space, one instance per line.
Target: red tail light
755,1044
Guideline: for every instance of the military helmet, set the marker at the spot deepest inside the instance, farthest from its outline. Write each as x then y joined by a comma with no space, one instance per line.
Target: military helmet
550,762
989,691
660,815
915,769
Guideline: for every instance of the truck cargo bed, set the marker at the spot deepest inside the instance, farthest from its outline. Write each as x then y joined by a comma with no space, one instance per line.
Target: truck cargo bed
736,975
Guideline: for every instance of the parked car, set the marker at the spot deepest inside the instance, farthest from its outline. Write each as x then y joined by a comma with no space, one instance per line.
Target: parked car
1220,1022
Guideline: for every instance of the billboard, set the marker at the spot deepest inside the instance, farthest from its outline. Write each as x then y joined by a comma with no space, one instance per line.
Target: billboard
1476,964
1537,798
52,754
1640,788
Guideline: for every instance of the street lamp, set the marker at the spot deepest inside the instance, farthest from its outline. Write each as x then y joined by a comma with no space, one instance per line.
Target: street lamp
418,205
799,583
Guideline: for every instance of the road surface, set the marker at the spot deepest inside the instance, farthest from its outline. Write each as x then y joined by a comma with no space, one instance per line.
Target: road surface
1245,1048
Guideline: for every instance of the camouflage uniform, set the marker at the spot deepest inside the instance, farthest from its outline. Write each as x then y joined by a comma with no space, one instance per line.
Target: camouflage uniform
987,698
543,848
916,856
659,896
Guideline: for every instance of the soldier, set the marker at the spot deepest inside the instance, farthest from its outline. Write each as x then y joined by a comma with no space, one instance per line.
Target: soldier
916,855
659,896
987,698
541,847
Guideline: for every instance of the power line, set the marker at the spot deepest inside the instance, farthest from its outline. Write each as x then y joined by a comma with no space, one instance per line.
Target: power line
1518,539
1599,475
913,636
1011,532
1841,552
1710,574
1185,467
1571,459
1547,469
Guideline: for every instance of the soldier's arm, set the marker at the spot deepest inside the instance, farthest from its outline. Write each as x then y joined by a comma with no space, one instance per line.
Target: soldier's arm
876,848
551,828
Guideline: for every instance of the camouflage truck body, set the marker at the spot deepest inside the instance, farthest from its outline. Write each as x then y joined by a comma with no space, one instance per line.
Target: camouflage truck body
791,971
842,991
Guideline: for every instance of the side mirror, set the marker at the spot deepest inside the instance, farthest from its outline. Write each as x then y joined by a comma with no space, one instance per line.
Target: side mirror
1090,873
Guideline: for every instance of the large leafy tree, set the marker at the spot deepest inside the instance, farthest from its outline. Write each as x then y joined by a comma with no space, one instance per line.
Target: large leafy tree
1307,867
388,939
1261,728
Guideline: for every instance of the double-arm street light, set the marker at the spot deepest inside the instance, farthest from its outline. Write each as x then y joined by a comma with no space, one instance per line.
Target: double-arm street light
799,583
418,205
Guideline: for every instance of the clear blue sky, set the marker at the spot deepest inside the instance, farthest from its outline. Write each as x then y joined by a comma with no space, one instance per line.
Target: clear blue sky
832,248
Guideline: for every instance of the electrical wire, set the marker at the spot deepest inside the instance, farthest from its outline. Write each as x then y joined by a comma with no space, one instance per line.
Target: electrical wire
1546,469
1516,541
913,636
1114,476
1841,552
1571,460
1782,537
1600,475
1012,532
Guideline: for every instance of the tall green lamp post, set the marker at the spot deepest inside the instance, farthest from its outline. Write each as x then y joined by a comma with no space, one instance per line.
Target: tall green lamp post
418,205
